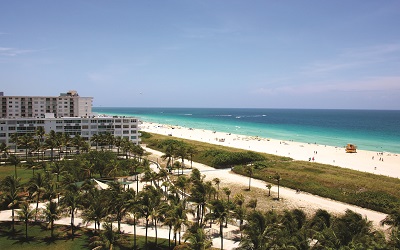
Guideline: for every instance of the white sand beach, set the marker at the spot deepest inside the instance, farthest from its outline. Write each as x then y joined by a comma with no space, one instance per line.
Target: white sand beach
380,163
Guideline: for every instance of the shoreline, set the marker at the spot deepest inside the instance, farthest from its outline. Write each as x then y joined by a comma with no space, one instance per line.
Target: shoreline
380,163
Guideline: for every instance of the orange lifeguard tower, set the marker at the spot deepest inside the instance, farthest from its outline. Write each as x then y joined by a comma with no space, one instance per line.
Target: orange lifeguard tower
351,148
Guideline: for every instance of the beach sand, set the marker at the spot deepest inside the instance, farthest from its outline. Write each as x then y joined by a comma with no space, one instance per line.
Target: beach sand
380,163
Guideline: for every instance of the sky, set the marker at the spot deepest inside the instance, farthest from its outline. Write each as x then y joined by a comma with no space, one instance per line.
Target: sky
205,53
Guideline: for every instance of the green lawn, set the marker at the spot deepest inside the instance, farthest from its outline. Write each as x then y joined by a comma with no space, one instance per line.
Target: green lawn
39,238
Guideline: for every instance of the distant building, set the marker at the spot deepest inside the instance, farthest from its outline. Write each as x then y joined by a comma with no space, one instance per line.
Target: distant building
69,113
68,104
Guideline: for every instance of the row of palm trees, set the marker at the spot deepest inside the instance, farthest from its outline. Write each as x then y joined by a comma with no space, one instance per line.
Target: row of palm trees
65,143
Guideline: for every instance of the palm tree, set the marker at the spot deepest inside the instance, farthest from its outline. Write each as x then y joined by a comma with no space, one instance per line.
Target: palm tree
227,192
217,181
39,132
71,201
52,213
259,232
220,214
25,214
269,186
277,178
146,197
249,170
106,240
26,141
180,219
37,187
96,209
181,152
118,143
197,238
51,142
252,204
96,139
4,150
14,138
11,186
191,151
13,160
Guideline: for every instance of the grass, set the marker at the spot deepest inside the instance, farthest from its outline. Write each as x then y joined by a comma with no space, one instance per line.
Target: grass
39,238
367,190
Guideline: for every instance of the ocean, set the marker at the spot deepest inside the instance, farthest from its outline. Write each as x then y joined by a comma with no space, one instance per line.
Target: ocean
375,130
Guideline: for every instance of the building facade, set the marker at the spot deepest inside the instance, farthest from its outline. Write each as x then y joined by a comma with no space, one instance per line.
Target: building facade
68,104
68,113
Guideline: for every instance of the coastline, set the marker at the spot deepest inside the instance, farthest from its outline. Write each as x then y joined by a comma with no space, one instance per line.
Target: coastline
380,163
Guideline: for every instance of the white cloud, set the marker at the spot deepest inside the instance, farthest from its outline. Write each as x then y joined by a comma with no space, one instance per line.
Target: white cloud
354,58
4,51
373,84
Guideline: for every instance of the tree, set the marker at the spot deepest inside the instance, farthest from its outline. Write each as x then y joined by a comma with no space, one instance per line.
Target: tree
52,213
96,139
269,186
4,150
197,238
217,181
13,160
95,209
191,151
26,141
220,214
37,187
146,197
260,232
108,238
52,142
11,186
25,214
277,178
14,138
40,132
249,170
71,201
252,204
227,192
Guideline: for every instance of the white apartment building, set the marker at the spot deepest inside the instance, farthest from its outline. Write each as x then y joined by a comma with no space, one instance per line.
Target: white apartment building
68,104
23,114
86,127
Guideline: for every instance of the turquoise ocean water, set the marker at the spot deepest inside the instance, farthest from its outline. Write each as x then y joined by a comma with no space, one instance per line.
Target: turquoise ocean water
376,130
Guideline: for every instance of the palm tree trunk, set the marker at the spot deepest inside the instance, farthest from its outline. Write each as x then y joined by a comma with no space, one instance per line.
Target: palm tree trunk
72,224
12,216
134,232
147,225
169,237
221,228
155,228
26,229
37,205
52,228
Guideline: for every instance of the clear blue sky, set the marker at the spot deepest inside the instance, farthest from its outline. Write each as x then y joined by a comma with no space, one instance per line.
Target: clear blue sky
211,53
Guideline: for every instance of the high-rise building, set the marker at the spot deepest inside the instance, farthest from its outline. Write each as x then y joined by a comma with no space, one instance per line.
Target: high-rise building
68,104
